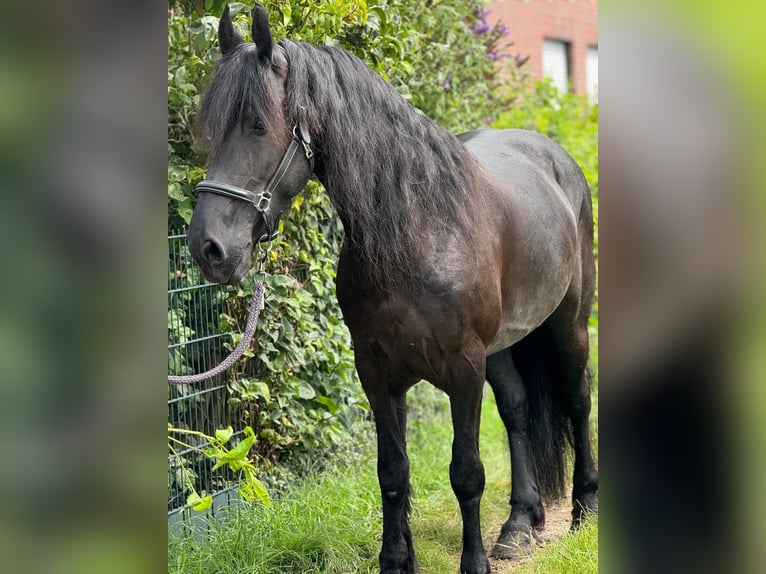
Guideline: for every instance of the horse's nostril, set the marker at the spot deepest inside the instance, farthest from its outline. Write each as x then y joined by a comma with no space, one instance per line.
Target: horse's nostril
212,252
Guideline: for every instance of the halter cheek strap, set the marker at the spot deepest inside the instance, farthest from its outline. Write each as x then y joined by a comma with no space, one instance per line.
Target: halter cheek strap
262,200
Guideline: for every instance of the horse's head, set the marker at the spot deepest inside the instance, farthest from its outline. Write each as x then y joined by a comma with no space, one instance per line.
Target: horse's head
260,156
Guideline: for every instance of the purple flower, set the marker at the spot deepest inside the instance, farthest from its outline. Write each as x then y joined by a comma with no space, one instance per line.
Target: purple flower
481,29
502,29
445,82
521,60
483,15
495,57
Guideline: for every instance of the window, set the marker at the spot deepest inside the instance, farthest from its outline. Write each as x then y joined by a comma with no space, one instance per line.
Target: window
591,73
556,63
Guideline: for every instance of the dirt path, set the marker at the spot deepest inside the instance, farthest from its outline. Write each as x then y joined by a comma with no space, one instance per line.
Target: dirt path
557,521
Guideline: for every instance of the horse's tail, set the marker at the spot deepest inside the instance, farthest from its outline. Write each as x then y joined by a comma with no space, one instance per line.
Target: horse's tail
550,431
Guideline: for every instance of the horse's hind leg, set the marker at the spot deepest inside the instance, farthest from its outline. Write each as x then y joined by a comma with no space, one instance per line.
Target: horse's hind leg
573,346
527,514
569,327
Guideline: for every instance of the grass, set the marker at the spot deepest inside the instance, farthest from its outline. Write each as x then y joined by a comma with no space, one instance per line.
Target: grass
330,523
573,554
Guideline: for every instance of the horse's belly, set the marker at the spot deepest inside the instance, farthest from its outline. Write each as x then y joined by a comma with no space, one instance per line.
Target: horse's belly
507,335
513,328
526,308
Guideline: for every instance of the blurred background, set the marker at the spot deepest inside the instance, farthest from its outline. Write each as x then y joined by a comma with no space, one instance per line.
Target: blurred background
681,284
83,330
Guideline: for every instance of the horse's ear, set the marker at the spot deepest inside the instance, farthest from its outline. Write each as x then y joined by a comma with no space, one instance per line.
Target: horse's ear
261,32
228,36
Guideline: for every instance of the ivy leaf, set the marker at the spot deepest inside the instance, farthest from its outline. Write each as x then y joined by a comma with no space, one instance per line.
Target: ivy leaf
331,405
235,8
186,211
175,192
259,389
306,391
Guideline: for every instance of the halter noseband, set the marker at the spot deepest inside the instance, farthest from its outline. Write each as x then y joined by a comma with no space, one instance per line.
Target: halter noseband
262,200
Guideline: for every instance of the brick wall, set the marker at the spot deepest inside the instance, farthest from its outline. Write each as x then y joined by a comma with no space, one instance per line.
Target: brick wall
532,21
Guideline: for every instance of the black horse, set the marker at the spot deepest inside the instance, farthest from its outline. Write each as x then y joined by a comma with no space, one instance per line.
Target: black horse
465,258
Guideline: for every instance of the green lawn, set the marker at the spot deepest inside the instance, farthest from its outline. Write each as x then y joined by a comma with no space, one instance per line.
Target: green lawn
330,523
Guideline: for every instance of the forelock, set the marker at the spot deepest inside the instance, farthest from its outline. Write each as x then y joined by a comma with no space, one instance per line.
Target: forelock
243,88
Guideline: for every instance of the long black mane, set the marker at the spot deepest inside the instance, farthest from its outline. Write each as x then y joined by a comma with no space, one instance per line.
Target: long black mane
396,178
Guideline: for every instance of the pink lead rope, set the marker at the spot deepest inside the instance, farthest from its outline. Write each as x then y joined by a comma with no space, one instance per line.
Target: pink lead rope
247,337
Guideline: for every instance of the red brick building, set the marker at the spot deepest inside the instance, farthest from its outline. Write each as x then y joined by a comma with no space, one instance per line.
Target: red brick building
559,36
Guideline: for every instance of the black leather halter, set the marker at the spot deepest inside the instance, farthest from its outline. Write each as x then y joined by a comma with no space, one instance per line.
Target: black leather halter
262,200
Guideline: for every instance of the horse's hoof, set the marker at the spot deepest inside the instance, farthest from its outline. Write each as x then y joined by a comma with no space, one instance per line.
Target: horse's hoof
584,506
477,565
547,538
515,544
412,568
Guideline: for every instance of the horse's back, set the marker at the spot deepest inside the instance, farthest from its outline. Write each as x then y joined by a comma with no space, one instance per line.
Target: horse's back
513,154
533,180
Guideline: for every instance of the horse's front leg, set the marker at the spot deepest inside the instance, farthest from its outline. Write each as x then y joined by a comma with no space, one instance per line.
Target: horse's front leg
465,387
397,555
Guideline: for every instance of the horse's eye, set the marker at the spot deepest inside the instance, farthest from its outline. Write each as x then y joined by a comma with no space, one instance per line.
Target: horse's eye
259,128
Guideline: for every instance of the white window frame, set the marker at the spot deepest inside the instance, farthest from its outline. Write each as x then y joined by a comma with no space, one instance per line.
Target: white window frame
591,73
556,62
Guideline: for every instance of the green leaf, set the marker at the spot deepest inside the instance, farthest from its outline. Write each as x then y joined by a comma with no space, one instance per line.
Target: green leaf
241,450
198,503
224,435
281,280
235,8
306,391
253,489
258,389
175,192
329,403
185,211
238,453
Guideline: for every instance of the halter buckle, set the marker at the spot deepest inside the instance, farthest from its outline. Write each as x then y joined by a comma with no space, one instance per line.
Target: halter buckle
263,200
